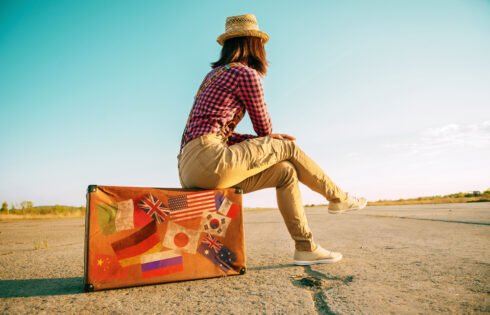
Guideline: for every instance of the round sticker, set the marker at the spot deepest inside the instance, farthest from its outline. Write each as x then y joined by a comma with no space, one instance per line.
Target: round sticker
214,223
181,239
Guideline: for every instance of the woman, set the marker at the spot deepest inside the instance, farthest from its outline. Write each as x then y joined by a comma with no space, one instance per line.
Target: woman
214,156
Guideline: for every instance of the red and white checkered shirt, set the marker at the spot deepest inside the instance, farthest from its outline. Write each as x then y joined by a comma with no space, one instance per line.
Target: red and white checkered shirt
229,94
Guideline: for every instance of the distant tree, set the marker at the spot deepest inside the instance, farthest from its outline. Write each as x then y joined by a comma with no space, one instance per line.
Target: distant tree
26,204
5,207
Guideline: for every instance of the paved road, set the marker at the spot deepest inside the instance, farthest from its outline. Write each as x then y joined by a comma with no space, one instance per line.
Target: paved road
398,259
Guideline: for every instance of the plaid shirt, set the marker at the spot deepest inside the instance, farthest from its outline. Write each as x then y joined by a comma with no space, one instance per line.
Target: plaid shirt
230,94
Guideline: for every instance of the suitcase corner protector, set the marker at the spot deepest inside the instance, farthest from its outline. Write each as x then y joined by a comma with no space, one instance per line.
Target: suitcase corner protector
243,270
92,188
89,287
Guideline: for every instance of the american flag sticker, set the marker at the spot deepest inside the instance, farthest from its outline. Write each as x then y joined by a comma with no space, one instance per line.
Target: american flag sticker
191,206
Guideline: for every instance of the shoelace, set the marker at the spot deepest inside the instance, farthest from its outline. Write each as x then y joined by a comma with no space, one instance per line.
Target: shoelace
354,199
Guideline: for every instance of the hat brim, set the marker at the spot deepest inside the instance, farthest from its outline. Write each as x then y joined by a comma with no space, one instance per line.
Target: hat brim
223,37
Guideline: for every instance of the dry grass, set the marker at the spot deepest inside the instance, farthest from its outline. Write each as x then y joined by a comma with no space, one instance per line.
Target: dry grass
423,201
41,244
13,217
43,212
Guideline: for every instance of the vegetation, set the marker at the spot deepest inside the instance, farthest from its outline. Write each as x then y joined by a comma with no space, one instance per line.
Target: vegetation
26,204
461,197
40,244
28,211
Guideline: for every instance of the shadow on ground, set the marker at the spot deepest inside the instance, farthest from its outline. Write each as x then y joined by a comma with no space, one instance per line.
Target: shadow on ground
62,286
40,287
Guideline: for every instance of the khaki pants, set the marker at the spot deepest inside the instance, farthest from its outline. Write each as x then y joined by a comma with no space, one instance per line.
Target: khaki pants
208,162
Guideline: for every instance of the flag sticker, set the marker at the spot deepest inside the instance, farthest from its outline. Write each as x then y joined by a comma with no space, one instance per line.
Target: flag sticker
106,217
215,223
229,209
154,208
223,258
120,216
212,243
225,206
191,206
180,238
219,199
136,260
124,215
161,263
137,243
105,267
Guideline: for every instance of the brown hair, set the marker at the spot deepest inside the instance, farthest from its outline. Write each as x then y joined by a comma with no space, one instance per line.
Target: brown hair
246,49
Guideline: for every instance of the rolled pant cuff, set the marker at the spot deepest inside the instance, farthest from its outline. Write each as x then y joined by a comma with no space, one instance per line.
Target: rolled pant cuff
306,246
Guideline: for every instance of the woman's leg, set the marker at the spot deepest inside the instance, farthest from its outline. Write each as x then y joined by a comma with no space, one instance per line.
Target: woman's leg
208,163
283,177
260,163
253,156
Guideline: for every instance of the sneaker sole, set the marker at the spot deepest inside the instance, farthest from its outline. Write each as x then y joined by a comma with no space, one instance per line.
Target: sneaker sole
346,210
315,262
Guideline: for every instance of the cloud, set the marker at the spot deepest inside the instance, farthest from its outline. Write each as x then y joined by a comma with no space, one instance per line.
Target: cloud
451,136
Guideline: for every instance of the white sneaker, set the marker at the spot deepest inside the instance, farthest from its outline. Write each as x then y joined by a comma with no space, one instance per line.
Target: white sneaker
319,256
350,204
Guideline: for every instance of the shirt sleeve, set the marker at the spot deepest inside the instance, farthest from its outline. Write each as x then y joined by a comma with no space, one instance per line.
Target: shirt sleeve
252,95
238,137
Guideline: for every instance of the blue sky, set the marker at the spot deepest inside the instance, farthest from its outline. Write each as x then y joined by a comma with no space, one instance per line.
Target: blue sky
391,98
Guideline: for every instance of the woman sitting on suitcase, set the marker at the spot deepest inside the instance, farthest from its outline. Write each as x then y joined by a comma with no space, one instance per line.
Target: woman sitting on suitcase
214,156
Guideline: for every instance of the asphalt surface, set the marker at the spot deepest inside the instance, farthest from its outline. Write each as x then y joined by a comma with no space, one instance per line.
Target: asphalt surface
397,259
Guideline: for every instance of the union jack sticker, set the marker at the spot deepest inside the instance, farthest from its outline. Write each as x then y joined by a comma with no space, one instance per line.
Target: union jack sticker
212,242
154,208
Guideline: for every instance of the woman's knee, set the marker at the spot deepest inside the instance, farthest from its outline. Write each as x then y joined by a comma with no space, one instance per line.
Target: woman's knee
284,148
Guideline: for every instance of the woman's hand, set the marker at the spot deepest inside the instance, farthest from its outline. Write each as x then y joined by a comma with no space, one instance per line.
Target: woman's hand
282,136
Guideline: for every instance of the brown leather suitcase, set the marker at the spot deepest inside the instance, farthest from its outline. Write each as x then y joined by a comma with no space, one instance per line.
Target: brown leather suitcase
138,236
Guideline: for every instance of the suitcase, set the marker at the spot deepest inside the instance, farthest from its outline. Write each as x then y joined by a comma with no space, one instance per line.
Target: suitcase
139,236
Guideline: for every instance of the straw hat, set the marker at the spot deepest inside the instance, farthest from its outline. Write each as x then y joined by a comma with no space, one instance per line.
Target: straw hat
242,25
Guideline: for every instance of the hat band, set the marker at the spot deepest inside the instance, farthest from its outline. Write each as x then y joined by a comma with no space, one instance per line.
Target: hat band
242,27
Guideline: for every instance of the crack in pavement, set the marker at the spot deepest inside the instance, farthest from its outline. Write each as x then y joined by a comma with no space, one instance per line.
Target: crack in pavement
316,282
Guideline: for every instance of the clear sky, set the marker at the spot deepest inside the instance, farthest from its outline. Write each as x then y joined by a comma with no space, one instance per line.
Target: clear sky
391,98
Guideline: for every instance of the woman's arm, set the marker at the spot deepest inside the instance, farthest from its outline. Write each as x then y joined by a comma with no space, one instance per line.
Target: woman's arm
238,137
252,95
